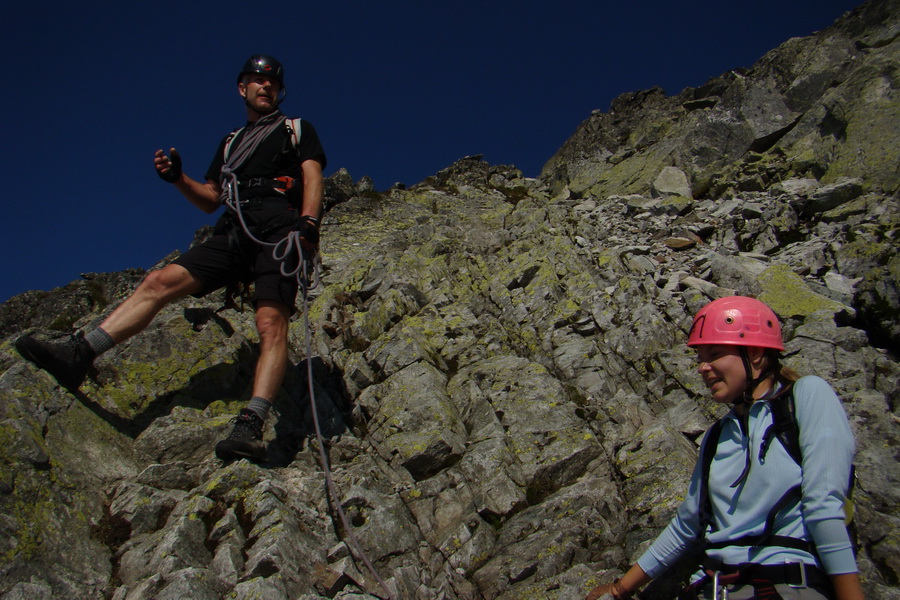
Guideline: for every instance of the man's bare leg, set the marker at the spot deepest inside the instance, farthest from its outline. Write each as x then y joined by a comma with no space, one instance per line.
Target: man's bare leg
245,440
71,362
272,321
157,290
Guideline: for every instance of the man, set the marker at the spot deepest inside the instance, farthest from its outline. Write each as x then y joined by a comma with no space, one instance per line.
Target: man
271,170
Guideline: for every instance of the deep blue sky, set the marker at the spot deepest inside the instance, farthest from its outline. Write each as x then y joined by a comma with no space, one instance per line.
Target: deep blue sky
397,90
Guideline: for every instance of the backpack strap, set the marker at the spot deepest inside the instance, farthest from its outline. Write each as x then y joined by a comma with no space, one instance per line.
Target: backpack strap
784,419
784,426
293,127
709,453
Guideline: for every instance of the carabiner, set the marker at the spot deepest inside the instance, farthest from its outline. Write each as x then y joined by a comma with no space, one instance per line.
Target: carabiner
715,584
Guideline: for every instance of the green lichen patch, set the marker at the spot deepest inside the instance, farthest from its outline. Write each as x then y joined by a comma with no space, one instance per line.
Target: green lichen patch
789,296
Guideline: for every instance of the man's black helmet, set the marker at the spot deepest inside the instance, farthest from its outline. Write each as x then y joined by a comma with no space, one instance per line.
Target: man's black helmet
264,64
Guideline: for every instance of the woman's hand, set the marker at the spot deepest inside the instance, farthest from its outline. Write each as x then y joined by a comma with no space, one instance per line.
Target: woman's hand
624,588
600,590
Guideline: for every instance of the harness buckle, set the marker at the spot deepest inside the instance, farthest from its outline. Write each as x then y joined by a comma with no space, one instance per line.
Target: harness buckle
802,566
287,181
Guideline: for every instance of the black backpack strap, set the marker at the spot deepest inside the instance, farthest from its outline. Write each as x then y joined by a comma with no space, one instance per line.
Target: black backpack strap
709,453
784,426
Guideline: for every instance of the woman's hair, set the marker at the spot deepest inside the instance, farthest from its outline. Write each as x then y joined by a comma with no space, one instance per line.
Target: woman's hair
784,375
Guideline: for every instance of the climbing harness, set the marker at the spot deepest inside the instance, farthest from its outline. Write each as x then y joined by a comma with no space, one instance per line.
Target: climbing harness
290,246
763,579
329,480
283,250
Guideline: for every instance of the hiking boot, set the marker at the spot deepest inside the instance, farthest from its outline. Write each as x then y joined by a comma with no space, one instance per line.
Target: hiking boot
69,362
245,440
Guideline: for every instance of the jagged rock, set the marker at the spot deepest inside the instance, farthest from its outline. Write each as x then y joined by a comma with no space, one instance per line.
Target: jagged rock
845,133
411,417
59,309
339,188
822,106
831,196
139,508
671,182
797,186
34,590
507,405
365,185
787,294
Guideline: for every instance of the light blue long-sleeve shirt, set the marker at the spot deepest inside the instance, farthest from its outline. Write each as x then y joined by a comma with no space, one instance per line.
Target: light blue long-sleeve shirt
827,448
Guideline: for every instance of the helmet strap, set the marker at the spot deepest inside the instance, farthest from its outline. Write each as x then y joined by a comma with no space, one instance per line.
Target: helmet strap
747,396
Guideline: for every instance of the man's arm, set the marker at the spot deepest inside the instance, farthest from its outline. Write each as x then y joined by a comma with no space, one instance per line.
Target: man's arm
204,196
313,189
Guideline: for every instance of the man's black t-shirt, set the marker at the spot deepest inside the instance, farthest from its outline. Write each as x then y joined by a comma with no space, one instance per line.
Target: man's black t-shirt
274,157
269,210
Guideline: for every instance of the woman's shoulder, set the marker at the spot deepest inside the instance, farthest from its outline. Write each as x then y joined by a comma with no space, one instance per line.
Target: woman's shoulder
811,384
814,398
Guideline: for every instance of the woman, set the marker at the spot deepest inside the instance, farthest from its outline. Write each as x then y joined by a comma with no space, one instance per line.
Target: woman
746,478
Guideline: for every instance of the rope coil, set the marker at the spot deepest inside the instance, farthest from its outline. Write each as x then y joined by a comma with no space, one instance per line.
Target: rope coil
283,249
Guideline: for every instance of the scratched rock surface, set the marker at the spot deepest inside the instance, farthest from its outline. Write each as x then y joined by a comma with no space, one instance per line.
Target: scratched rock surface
506,403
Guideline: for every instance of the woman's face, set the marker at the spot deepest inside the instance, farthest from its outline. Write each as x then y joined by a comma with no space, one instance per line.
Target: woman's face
722,371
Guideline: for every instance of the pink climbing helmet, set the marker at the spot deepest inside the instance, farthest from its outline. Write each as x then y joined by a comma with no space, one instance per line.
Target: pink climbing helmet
736,321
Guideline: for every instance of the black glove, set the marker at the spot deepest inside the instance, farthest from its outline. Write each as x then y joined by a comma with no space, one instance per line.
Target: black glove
174,172
309,233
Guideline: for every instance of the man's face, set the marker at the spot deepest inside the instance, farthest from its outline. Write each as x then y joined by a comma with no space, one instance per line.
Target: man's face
260,92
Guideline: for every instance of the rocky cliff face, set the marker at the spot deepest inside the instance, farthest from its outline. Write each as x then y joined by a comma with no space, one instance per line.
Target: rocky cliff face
499,366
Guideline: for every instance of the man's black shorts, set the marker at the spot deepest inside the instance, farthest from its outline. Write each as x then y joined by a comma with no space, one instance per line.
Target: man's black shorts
227,258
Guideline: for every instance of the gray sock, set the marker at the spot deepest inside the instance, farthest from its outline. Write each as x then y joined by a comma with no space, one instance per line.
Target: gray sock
260,406
99,341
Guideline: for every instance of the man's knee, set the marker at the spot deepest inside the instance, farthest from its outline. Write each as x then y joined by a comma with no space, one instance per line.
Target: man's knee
170,282
272,320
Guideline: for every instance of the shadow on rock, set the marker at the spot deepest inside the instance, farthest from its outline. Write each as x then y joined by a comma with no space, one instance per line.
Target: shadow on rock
296,421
